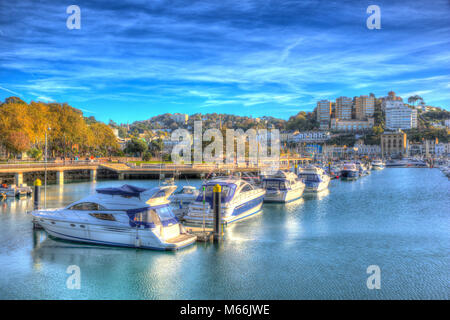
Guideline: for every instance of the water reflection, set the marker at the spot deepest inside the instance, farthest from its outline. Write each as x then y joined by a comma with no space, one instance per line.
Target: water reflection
316,195
312,243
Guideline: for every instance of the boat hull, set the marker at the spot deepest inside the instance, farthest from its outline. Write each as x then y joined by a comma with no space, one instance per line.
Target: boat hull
349,175
113,236
284,196
316,187
231,215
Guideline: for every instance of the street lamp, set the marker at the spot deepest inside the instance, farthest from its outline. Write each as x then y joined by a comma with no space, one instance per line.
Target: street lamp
45,172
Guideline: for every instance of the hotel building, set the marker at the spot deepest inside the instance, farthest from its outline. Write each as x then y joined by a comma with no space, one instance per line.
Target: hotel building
324,114
364,107
344,108
399,116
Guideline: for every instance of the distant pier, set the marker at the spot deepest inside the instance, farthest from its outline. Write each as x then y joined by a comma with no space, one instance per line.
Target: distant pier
60,171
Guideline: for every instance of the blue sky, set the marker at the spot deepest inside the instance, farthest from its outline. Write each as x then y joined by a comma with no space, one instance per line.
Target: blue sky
136,59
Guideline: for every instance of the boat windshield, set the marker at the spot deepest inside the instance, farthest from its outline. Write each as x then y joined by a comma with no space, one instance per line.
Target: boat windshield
274,184
165,213
185,191
311,177
155,216
226,195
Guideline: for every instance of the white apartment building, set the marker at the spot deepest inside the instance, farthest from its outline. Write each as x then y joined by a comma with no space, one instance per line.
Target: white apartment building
324,114
399,116
364,107
344,108
447,123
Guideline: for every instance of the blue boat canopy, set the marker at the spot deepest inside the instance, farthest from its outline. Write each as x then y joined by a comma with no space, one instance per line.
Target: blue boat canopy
125,190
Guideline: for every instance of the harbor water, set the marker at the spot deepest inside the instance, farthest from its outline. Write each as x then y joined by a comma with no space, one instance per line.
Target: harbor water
318,247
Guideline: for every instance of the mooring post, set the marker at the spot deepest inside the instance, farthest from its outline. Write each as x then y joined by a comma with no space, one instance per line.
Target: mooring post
37,197
217,192
37,193
296,168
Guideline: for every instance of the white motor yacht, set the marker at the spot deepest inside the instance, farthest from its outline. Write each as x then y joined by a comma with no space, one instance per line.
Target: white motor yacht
15,191
315,179
282,187
377,164
127,216
349,171
239,199
181,199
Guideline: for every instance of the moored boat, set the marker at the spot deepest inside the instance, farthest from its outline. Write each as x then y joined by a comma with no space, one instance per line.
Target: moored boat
181,199
16,191
349,172
127,216
314,178
239,199
377,164
282,187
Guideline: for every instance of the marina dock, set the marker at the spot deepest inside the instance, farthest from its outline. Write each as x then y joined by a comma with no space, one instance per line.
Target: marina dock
59,171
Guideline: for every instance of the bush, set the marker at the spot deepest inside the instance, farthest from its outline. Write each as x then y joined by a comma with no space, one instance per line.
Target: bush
146,156
35,153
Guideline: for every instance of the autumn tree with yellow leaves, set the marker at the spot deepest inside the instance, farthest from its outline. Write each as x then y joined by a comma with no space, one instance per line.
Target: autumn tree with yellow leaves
23,126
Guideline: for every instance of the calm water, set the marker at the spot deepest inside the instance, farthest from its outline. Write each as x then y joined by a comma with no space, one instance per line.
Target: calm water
316,248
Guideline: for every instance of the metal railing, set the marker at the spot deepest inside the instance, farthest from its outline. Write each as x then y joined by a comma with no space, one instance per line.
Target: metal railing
57,163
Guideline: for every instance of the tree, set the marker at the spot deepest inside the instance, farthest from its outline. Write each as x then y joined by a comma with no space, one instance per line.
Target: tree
69,129
414,99
17,142
136,146
35,153
146,156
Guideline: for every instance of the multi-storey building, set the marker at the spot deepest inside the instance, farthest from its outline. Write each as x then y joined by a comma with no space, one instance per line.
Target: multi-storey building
367,150
394,143
364,107
447,123
399,116
324,114
310,136
344,108
351,125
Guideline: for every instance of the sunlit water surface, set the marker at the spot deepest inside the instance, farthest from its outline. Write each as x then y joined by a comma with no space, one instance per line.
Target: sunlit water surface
318,247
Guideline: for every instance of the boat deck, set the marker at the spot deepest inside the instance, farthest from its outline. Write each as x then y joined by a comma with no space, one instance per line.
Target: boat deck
180,238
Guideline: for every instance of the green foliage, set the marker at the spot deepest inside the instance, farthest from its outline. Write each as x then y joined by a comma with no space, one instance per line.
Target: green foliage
136,146
146,156
435,115
413,99
35,153
418,135
123,132
302,121
342,140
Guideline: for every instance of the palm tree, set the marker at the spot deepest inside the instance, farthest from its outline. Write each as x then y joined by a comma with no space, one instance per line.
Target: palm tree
414,99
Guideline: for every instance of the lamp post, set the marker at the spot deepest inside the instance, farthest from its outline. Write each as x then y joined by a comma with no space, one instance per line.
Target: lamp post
45,171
